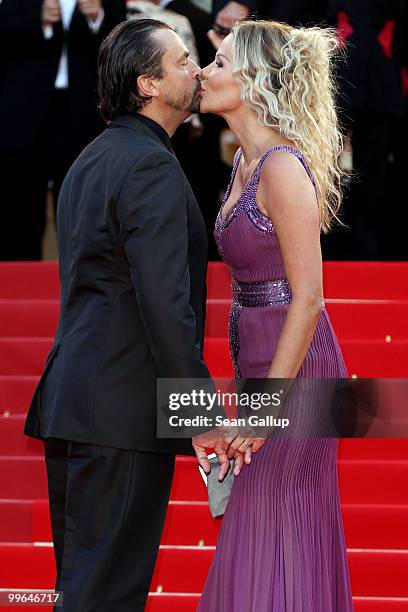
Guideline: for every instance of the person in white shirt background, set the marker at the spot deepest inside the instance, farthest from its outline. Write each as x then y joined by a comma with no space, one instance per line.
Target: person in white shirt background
48,106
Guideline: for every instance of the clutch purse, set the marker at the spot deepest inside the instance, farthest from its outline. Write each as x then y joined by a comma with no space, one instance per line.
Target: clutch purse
218,491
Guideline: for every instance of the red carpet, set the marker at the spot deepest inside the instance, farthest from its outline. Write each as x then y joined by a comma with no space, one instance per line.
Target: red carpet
370,318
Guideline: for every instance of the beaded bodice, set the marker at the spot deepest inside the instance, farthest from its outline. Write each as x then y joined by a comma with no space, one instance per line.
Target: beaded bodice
246,238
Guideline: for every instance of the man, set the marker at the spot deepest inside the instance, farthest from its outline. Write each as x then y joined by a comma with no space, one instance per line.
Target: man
132,266
47,104
196,142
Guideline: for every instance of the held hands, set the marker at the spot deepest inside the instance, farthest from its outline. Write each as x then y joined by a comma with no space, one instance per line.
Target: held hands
211,439
90,8
227,444
244,444
50,12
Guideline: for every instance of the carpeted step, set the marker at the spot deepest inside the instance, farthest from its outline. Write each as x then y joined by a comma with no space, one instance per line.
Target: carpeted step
156,602
14,442
378,573
380,604
29,280
23,477
385,449
376,482
23,356
360,482
376,526
365,279
16,393
351,319
12,439
187,602
27,318
166,602
218,281
187,523
190,523
39,280
364,358
341,279
16,520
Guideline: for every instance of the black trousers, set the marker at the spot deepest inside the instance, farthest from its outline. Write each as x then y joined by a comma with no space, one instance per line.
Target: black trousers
107,512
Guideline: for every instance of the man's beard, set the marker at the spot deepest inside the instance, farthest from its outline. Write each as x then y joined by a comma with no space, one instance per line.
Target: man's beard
187,102
196,99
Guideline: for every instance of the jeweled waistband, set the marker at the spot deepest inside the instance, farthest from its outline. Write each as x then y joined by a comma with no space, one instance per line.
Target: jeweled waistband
261,293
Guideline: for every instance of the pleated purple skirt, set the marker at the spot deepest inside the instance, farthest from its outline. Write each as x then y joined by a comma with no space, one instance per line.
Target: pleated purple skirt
281,546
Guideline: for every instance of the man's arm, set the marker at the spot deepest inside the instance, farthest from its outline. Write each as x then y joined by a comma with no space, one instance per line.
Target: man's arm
153,221
152,217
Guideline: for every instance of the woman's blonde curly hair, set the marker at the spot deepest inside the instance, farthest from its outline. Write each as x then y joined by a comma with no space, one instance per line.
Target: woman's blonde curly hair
286,78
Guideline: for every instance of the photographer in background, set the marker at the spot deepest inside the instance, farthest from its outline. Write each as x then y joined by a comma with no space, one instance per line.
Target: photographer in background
47,105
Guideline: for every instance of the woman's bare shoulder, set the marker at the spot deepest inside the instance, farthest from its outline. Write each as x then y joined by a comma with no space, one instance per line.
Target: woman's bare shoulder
283,175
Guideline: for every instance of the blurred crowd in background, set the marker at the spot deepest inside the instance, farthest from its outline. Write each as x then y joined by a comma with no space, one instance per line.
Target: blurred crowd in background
48,109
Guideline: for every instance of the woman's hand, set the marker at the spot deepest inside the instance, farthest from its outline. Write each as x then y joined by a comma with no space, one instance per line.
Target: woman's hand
215,39
232,12
245,445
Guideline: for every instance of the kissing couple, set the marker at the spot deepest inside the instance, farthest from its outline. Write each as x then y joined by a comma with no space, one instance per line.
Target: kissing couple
133,260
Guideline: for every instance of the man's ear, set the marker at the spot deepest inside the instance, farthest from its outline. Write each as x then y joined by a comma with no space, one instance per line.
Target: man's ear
147,86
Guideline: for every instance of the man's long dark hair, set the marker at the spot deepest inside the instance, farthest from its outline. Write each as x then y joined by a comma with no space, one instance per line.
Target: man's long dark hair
127,52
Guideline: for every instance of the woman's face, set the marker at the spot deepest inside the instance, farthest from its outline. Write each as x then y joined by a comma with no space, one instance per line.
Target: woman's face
220,91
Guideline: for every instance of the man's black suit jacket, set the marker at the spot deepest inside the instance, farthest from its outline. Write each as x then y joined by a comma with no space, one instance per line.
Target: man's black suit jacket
133,247
29,66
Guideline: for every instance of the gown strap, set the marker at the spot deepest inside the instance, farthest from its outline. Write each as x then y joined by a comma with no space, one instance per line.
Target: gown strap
287,149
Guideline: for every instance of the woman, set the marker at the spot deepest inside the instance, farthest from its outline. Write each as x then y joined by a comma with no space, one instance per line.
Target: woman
281,546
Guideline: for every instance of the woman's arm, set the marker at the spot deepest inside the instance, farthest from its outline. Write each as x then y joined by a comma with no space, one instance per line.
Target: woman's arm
287,196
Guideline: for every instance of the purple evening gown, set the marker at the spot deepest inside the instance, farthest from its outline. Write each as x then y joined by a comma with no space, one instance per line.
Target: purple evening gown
281,545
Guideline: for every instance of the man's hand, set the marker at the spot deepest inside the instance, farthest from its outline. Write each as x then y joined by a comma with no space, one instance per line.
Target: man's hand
90,8
215,439
232,12
50,12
